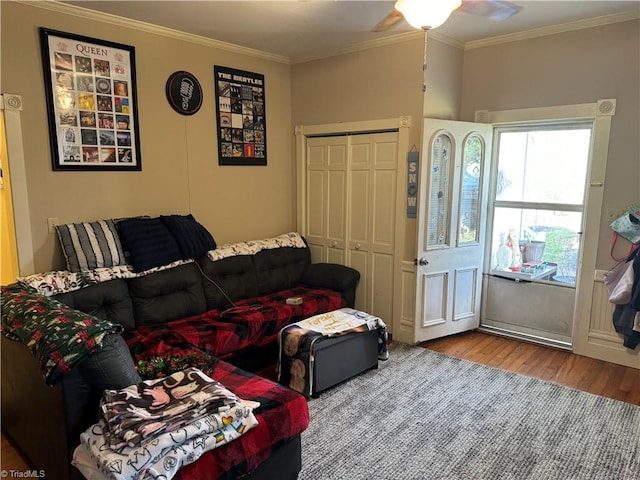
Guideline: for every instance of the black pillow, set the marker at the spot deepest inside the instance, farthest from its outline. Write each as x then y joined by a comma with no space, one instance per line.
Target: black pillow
149,243
193,239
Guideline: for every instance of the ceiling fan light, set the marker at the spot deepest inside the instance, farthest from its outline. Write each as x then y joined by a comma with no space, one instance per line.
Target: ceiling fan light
426,14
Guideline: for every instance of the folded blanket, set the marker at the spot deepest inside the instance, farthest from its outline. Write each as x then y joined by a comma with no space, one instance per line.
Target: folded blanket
58,336
347,320
139,413
167,453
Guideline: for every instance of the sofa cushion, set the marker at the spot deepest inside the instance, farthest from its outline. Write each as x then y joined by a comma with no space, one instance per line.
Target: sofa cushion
91,245
193,239
148,242
228,280
280,268
167,295
108,301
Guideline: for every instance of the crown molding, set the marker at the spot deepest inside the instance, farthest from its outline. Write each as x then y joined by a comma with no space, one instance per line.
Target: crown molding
85,13
554,29
54,5
381,42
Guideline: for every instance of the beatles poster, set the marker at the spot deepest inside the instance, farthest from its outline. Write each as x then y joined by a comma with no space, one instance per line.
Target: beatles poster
242,136
90,86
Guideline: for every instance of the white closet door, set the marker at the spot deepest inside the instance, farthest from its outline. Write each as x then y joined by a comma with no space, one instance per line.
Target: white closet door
327,194
372,191
351,210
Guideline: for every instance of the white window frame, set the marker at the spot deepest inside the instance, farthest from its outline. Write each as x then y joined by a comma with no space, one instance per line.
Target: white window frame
531,205
601,113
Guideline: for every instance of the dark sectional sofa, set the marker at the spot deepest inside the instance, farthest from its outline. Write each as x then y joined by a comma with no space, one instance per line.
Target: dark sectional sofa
232,308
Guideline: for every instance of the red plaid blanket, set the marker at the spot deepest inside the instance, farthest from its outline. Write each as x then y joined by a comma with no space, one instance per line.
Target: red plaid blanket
254,322
282,415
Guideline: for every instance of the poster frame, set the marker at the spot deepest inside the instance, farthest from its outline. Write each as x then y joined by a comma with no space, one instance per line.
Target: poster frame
91,96
240,116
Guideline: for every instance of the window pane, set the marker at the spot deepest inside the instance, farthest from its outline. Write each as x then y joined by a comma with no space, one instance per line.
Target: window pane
544,166
438,223
472,157
524,240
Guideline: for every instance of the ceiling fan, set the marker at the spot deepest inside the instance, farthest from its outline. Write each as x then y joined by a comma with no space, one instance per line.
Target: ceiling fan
427,14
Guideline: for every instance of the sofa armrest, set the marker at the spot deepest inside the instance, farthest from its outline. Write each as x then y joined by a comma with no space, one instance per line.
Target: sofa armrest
334,276
33,414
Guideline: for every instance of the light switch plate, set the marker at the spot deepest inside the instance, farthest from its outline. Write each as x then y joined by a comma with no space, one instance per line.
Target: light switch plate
51,224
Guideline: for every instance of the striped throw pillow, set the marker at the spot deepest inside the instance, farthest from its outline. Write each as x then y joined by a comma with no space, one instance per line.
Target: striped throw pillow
91,245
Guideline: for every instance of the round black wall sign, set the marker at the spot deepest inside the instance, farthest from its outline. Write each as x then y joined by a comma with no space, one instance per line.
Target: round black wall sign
184,93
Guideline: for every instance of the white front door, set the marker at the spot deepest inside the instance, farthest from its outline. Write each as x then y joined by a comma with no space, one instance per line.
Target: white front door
452,217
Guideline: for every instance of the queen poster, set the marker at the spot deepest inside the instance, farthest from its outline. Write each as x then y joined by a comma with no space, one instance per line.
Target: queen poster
91,98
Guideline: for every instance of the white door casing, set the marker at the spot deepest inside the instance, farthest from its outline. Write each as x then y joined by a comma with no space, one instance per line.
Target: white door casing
449,263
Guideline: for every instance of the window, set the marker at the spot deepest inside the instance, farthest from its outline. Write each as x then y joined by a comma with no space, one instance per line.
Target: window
539,201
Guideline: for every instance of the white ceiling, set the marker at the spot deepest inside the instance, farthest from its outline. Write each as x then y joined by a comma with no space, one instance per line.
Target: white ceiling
307,29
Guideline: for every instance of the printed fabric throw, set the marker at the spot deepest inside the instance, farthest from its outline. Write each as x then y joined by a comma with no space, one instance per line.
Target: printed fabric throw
157,413
64,281
138,413
297,342
57,336
291,239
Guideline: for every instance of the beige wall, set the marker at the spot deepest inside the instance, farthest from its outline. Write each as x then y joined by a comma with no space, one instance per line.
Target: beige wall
570,68
180,169
443,80
180,172
379,83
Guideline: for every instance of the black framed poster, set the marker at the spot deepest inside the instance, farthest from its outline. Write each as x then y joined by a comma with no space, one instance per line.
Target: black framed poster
240,108
90,86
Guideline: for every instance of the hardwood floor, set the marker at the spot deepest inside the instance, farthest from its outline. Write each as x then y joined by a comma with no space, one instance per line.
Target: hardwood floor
554,365
551,364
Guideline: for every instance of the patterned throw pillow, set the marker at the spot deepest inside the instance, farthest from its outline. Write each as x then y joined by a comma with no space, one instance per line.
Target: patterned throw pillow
90,245
148,242
193,239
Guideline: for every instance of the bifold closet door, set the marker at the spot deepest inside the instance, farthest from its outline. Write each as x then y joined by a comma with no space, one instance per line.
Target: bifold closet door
350,206
371,218
326,202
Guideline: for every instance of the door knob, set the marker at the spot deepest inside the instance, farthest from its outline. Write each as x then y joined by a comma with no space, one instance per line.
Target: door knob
423,262
334,244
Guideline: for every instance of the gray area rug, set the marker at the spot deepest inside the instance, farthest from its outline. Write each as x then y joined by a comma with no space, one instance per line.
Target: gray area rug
425,415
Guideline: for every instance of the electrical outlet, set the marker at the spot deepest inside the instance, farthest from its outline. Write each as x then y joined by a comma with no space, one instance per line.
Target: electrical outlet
51,224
